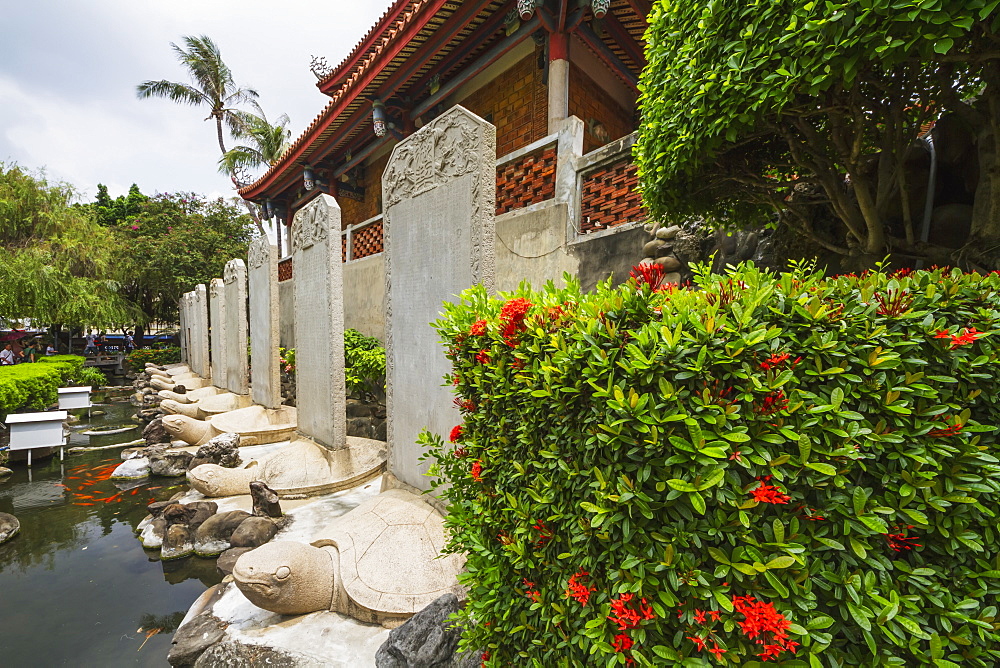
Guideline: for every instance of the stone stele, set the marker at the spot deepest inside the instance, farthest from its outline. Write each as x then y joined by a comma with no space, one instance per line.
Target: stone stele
217,314
199,333
234,347
380,563
439,193
264,326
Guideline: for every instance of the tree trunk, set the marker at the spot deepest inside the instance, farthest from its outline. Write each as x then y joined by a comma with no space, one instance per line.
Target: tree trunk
986,208
218,129
138,336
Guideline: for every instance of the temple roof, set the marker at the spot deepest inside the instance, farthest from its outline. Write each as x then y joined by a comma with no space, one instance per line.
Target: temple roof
413,41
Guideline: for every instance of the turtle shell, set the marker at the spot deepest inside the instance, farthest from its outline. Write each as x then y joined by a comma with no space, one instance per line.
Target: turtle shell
389,548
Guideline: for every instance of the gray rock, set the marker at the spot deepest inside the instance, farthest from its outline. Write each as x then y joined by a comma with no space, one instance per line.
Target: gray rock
667,232
227,560
177,543
156,508
9,526
253,532
265,500
153,533
203,510
212,537
360,427
132,469
155,433
169,464
192,639
223,450
177,513
381,430
357,408
425,640
231,654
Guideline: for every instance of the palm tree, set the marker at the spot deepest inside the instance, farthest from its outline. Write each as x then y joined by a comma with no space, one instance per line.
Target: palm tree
213,85
265,142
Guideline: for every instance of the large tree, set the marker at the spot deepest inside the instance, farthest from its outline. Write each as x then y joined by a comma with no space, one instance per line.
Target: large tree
169,244
56,261
810,109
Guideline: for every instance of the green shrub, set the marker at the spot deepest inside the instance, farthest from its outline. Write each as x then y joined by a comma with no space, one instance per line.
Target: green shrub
70,365
30,386
633,464
137,359
90,376
364,365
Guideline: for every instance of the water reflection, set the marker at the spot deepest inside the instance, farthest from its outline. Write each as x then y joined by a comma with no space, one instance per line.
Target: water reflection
77,569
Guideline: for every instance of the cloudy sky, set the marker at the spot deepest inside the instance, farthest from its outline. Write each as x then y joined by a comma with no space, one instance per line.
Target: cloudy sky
69,68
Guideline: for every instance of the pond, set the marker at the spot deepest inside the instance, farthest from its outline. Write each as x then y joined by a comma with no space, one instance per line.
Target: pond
76,587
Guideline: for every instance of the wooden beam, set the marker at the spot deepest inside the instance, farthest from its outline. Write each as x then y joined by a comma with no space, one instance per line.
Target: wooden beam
476,67
622,36
607,55
641,9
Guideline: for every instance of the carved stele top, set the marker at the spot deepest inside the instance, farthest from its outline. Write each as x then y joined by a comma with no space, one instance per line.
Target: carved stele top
234,270
260,252
215,287
444,149
311,224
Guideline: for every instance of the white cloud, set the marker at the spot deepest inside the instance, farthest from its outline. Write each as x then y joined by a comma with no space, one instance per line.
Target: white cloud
68,73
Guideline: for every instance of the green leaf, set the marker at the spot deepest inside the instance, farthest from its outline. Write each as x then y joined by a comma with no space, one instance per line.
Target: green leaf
697,502
825,469
681,485
718,555
781,562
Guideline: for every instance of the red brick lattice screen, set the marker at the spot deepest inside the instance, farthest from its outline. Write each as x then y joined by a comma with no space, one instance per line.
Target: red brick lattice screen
530,180
610,197
366,241
285,270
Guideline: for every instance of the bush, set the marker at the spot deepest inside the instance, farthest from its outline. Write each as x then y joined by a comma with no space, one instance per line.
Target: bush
364,365
90,376
772,467
137,359
29,386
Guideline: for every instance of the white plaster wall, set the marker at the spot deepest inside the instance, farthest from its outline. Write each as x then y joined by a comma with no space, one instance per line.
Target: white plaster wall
364,296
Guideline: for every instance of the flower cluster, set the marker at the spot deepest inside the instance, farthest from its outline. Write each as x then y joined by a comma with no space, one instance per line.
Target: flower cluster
957,340
531,592
627,617
647,274
765,625
512,316
456,433
774,402
950,428
765,493
898,540
544,534
577,590
893,303
777,360
478,328
477,470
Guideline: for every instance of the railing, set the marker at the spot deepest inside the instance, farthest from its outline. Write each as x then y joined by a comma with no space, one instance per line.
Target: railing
362,240
607,184
527,176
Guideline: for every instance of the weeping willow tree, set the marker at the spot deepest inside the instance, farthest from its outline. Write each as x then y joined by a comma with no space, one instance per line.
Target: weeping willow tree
55,260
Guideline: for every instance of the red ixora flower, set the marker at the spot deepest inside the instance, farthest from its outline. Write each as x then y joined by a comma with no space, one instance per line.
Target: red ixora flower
957,340
456,433
485,657
765,625
531,592
512,316
483,357
477,469
622,643
478,328
578,590
626,617
765,493
544,534
774,360
774,402
899,541
951,428
647,274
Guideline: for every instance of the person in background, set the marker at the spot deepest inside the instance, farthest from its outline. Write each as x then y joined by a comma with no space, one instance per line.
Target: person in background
30,352
91,349
49,350
129,342
7,356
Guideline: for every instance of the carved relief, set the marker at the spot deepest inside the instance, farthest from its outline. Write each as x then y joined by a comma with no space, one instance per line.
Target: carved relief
310,225
234,269
215,288
260,252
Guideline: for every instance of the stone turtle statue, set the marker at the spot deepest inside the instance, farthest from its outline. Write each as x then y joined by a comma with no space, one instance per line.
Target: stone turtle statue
382,563
256,425
190,397
208,406
302,467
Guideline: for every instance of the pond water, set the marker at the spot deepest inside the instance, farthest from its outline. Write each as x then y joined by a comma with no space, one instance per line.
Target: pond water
76,587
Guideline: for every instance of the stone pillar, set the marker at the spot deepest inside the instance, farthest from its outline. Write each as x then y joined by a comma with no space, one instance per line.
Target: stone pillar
264,326
558,79
217,315
182,327
199,333
234,278
319,323
439,194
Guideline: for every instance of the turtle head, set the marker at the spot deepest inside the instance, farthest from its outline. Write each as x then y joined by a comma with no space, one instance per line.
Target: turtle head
185,428
214,480
286,577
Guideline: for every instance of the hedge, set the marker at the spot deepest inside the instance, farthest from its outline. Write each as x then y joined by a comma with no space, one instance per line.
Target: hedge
786,468
137,359
34,385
